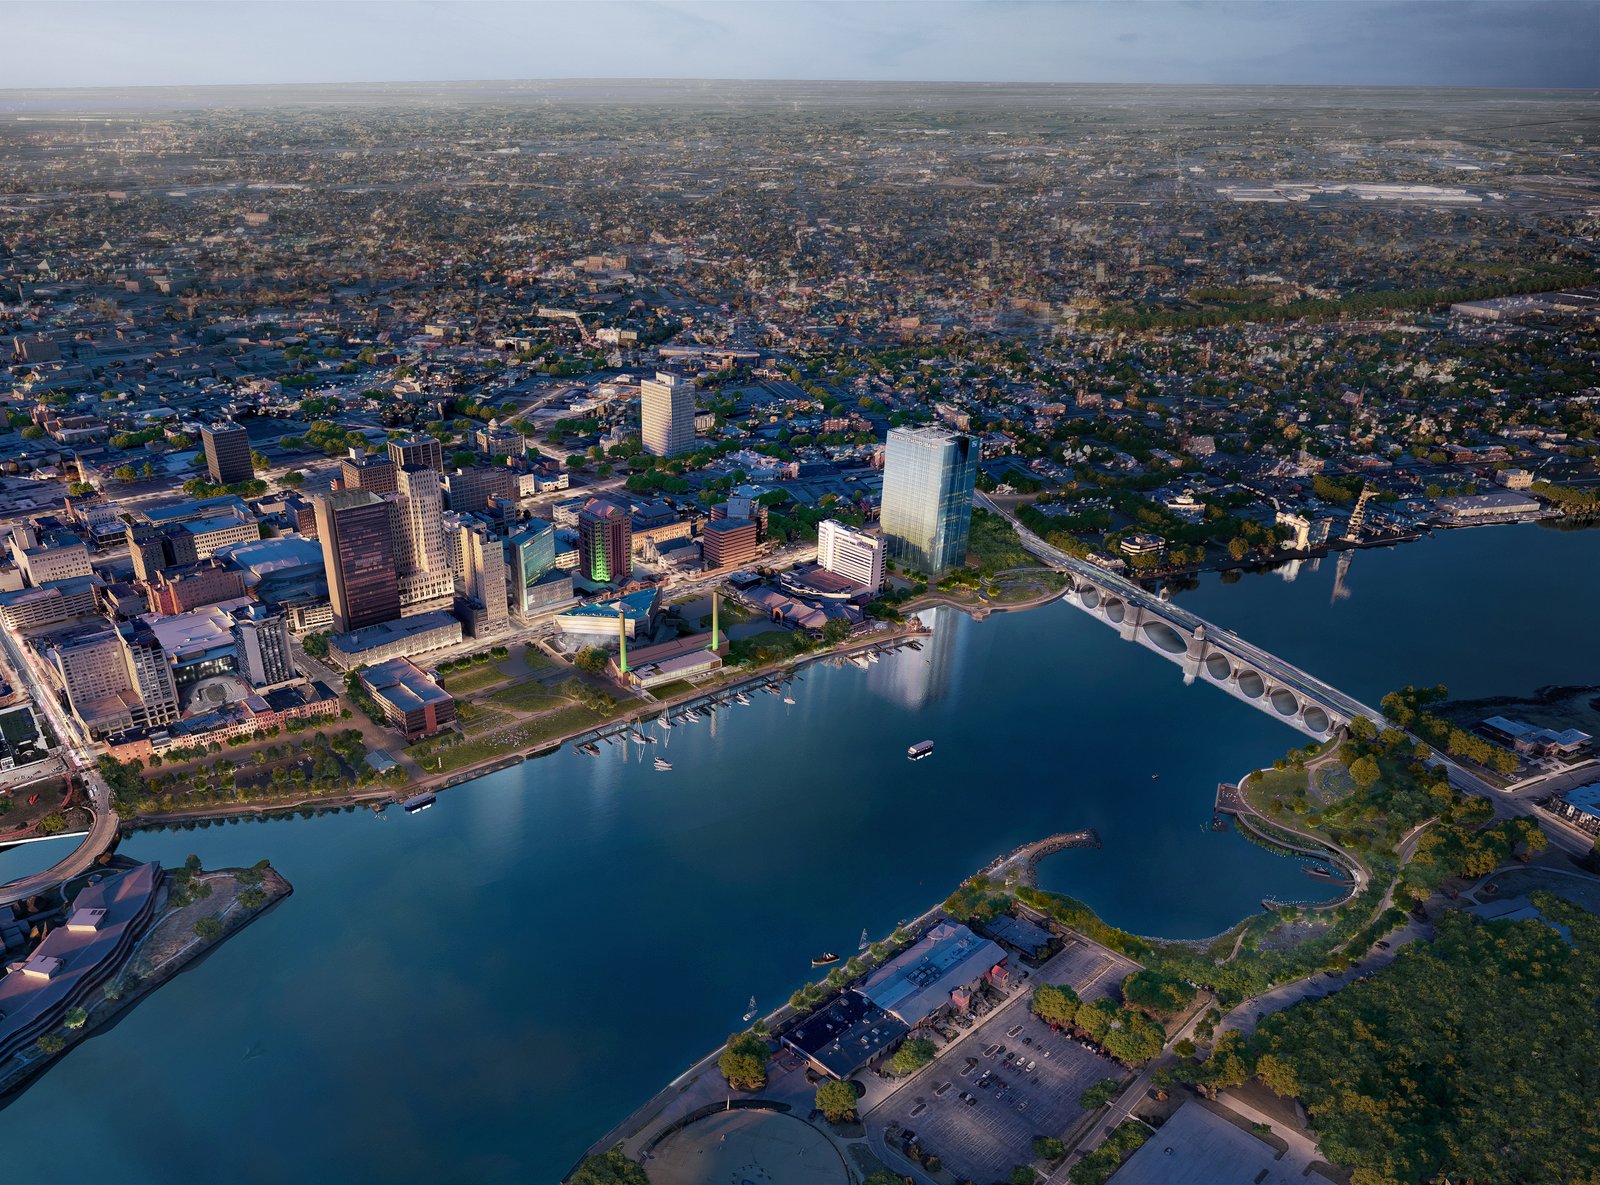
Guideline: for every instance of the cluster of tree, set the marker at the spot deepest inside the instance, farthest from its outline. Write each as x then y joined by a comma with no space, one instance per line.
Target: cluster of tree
1157,993
1406,708
593,698
1097,1167
466,661
591,659
609,1168
976,900
137,439
1129,1036
1469,1057
1569,498
744,1061
200,487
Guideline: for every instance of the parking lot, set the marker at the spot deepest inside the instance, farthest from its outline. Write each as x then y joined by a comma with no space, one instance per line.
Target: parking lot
1008,1079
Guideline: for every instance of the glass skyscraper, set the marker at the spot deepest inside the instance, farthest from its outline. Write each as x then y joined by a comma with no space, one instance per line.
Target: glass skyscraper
927,498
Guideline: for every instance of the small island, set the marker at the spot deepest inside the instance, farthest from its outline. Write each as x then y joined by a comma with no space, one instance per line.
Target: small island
77,958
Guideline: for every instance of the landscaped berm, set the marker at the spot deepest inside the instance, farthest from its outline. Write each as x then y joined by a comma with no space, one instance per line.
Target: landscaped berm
747,1147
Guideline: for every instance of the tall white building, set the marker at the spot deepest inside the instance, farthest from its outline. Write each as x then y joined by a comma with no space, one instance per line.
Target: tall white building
666,414
855,555
483,582
421,561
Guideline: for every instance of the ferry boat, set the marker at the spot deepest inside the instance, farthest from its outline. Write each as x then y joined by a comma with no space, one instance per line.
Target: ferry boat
920,750
824,959
420,803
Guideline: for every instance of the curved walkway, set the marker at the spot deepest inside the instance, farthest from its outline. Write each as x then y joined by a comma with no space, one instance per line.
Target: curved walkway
102,832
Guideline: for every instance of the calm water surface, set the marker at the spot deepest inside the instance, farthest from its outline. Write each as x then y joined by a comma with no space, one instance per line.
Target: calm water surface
477,992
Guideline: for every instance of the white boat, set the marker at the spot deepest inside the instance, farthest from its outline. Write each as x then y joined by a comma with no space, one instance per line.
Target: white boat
664,720
663,764
920,750
742,698
749,1015
865,941
788,700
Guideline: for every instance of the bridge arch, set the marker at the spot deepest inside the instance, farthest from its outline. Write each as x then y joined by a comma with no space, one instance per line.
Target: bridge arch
1284,702
1251,684
1089,595
1114,610
1316,719
1164,637
1219,668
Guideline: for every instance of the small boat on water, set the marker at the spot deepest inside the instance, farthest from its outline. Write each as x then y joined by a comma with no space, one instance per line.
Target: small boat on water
914,644
824,959
1317,870
865,941
788,700
742,699
420,803
640,739
664,721
692,716
589,750
920,750
750,1015
860,661
663,764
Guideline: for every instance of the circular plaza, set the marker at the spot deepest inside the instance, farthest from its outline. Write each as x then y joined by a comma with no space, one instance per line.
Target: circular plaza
747,1147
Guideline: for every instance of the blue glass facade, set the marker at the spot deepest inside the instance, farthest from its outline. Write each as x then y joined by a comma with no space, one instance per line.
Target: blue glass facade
927,498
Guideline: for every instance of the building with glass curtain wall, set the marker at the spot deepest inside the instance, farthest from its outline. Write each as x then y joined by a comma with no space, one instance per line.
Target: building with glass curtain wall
927,498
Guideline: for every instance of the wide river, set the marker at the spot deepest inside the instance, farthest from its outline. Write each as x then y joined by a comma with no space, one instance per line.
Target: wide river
476,992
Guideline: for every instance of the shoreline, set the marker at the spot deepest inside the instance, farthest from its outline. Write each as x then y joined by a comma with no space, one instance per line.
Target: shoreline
105,1013
894,638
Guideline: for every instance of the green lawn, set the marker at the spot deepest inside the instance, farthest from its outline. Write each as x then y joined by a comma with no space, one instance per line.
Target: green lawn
993,544
466,682
529,695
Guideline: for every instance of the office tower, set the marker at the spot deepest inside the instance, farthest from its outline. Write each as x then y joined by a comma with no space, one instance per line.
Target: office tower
227,453
666,414
472,490
927,498
362,470
484,579
855,555
535,584
93,668
417,526
148,548
605,542
261,639
728,542
150,674
358,552
422,451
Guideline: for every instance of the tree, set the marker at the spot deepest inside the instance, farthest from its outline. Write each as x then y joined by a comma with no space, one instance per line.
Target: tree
1048,1148
1055,1003
1099,1094
836,1100
609,1168
911,1056
744,1062
51,1043
1366,772
1023,1174
591,659
208,929
76,1018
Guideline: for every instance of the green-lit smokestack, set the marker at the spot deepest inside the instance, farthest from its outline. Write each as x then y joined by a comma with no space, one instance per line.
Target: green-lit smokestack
714,600
622,636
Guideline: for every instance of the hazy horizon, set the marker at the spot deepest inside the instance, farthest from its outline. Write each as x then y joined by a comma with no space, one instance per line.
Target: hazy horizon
1478,44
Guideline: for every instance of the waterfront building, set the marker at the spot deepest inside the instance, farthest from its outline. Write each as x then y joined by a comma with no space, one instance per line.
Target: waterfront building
596,623
227,449
928,476
846,1035
420,451
410,700
919,982
855,555
358,552
537,586
105,921
693,656
1495,504
666,414
361,470
605,542
261,644
389,639
728,543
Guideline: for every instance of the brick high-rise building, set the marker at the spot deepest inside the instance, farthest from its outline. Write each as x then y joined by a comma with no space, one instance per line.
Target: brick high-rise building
605,542
423,451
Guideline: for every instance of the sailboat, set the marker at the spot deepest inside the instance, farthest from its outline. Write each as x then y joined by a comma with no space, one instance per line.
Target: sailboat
865,941
748,1016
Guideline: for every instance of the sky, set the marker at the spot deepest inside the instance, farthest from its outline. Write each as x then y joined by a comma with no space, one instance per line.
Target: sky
1481,43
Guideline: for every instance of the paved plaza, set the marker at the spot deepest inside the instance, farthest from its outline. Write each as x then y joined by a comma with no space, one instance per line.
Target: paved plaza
1197,1147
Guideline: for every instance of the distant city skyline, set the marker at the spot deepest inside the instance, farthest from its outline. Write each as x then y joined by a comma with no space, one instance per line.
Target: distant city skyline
1476,43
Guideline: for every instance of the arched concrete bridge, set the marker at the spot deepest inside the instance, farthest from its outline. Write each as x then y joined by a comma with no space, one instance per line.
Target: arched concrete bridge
1205,651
